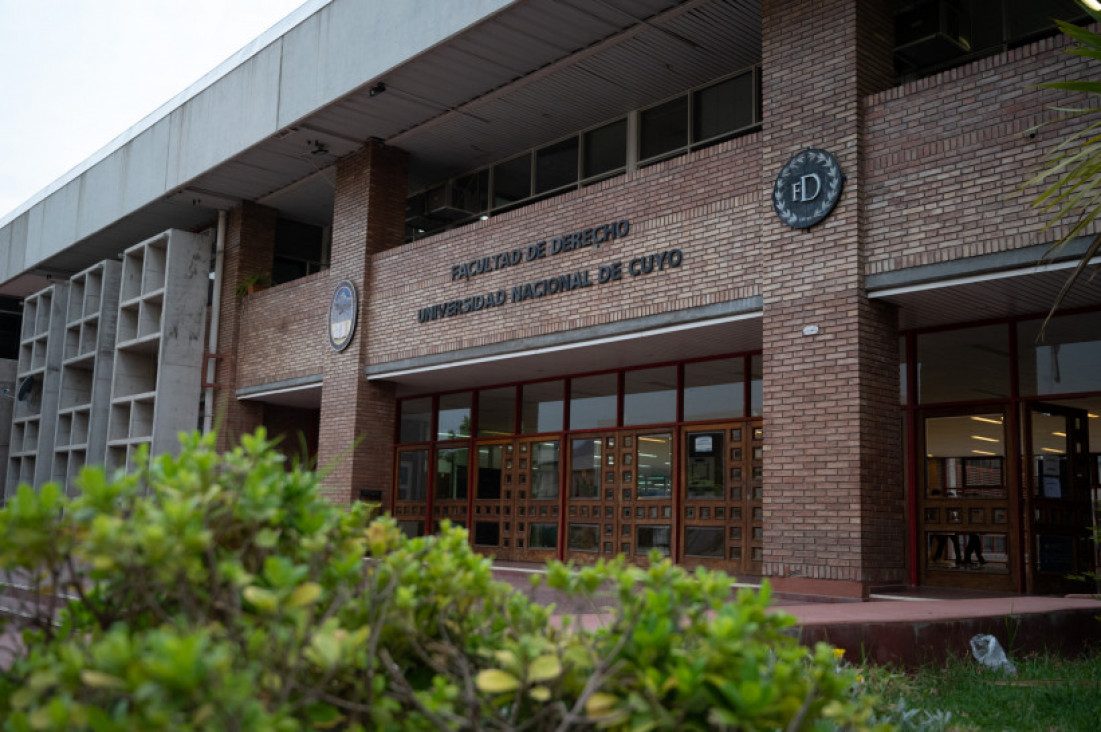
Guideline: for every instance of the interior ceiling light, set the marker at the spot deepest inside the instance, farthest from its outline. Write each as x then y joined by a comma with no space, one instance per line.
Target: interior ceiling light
984,439
983,452
1059,434
1052,449
987,419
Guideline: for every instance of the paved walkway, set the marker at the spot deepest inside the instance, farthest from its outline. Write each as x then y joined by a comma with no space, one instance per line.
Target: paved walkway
913,627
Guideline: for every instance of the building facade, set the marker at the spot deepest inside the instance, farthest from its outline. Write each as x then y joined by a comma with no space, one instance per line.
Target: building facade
748,284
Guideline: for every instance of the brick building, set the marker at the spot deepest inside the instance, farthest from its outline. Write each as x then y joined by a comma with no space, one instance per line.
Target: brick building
746,283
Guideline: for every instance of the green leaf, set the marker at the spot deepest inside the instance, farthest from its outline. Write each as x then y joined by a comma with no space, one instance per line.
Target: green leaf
100,680
544,668
304,595
495,681
263,600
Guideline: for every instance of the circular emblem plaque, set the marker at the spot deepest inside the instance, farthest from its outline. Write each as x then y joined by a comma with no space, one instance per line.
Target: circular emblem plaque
342,315
807,188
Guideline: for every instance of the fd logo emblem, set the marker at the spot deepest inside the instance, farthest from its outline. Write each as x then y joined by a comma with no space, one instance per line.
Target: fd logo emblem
807,188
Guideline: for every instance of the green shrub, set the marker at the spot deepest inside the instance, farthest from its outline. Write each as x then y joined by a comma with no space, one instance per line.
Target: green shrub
212,591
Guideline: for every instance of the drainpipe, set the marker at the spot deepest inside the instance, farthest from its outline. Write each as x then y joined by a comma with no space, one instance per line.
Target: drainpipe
215,317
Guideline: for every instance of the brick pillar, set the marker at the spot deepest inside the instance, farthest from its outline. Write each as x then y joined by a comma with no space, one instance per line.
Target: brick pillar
249,250
834,495
368,217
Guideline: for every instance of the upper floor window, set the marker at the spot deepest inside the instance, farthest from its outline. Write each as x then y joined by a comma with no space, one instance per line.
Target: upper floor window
700,117
931,35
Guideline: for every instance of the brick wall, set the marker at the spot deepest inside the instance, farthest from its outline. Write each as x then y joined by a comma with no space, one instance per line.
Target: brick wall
284,331
357,417
833,498
947,154
249,248
702,204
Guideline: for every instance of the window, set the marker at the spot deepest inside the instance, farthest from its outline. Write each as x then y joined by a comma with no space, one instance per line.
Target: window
593,401
454,416
663,129
650,396
605,149
543,407
451,473
544,469
512,181
556,166
1067,360
412,475
543,536
585,464
416,420
497,411
652,538
714,390
698,117
965,364
655,466
723,108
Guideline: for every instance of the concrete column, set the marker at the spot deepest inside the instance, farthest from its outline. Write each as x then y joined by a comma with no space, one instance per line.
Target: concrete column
249,250
834,495
356,442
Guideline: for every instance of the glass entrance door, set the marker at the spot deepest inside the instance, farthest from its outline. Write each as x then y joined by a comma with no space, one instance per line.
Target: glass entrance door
1058,499
967,519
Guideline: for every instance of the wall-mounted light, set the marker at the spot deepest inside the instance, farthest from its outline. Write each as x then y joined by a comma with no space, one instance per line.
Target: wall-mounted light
377,89
810,330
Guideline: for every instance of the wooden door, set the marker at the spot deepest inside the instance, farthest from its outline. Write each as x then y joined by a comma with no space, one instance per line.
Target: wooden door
722,514
967,515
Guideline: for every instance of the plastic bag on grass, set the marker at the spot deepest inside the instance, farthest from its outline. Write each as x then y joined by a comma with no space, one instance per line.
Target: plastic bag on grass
988,652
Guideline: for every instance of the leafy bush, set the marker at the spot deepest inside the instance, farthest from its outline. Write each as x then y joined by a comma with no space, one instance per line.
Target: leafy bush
212,591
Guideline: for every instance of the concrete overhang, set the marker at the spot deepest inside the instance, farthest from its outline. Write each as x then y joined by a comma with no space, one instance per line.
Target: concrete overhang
465,84
699,333
303,392
1017,283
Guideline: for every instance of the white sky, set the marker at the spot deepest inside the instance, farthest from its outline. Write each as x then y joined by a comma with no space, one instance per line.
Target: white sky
75,74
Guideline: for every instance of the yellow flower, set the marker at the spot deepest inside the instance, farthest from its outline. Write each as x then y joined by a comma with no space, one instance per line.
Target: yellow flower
838,653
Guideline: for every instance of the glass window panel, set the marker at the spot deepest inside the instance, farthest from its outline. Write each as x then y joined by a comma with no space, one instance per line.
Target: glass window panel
756,386
652,538
585,468
1067,361
512,181
416,420
471,192
723,107
704,541
489,472
584,537
543,407
967,364
650,395
412,529
965,456
487,533
544,469
663,129
705,465
543,536
655,461
452,469
454,416
496,411
412,475
593,401
556,165
714,389
902,371
605,149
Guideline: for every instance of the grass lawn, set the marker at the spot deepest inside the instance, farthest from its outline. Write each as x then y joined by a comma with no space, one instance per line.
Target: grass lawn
1047,693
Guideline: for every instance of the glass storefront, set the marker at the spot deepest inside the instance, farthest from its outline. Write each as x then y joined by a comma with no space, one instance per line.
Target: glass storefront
593,465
